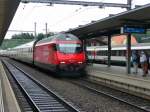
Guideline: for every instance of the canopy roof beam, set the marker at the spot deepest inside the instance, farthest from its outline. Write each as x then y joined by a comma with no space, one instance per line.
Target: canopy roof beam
83,3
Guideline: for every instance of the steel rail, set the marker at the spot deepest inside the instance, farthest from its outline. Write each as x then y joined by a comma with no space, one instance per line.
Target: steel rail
29,99
106,94
39,96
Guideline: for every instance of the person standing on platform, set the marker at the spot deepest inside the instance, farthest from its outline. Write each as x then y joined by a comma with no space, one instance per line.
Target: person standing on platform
135,61
144,64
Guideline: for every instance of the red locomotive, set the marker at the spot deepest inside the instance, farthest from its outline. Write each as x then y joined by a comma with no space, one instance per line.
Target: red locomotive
62,53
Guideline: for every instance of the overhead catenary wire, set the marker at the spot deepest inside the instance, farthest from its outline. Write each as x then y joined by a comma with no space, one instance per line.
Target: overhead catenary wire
69,16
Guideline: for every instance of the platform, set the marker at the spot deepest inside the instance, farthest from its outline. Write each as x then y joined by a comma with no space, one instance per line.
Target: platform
116,76
8,102
113,76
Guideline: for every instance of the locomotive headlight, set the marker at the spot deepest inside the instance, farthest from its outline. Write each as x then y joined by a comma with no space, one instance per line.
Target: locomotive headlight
62,62
80,62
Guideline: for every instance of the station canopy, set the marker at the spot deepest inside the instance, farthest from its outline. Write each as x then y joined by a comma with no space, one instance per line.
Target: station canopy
112,25
7,11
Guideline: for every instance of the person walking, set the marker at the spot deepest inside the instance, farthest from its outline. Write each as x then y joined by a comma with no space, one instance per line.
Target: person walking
144,64
135,61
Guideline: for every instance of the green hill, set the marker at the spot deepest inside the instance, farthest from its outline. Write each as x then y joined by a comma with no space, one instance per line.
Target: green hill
10,43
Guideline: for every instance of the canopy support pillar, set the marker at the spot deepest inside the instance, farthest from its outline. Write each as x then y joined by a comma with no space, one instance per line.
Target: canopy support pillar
109,50
128,55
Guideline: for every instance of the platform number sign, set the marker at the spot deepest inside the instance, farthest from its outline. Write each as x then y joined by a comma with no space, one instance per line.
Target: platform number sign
131,29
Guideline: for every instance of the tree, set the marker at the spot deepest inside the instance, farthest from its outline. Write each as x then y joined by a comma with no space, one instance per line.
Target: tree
23,36
40,36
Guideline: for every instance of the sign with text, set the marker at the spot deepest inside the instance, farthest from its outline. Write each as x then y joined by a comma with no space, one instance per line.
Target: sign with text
130,29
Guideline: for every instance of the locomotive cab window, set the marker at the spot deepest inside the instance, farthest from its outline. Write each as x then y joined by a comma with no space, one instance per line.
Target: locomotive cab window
70,48
54,47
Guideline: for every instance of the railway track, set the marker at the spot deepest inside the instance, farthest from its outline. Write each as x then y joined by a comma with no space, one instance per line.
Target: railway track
81,82
40,98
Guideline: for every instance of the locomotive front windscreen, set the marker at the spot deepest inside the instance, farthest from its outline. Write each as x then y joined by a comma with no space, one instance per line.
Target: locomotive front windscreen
70,48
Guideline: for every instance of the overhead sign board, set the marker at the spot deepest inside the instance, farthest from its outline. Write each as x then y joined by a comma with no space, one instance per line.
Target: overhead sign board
130,29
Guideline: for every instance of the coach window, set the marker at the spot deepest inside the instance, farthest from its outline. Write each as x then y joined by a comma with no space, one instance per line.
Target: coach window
113,53
90,53
117,53
106,53
98,52
120,53
148,52
124,52
103,53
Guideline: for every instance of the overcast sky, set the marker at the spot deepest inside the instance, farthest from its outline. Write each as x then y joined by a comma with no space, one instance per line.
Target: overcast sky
60,17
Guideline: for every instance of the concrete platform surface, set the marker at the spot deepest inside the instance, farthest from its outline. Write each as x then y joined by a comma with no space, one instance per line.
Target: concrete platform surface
8,99
117,76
